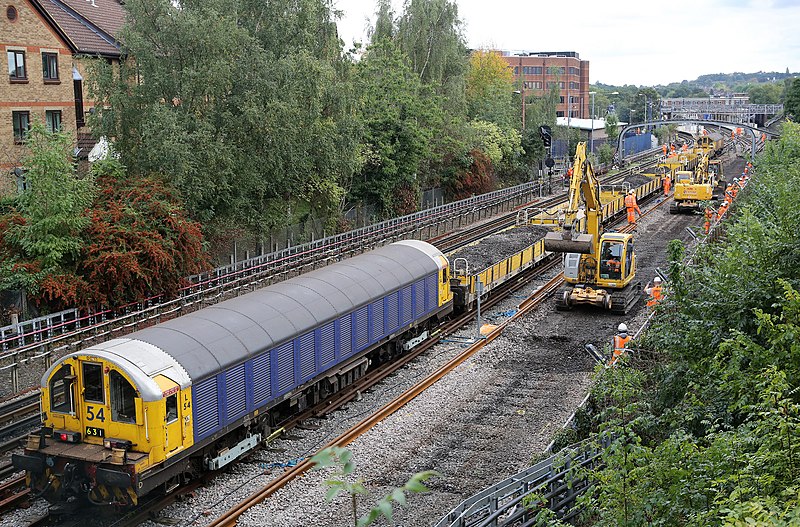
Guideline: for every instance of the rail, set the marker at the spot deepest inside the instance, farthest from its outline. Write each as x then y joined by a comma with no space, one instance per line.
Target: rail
553,483
44,337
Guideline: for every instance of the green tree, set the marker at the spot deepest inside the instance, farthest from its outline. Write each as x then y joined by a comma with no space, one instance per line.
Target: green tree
246,141
429,33
489,89
53,206
496,143
398,116
612,128
792,104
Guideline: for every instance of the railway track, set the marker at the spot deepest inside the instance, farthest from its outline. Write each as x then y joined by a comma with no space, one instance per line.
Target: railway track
382,372
91,333
230,517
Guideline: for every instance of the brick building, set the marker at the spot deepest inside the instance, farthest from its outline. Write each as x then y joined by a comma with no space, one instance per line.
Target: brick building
45,41
538,70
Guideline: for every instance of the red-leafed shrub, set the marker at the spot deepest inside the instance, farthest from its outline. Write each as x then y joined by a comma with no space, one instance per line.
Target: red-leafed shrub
477,179
140,240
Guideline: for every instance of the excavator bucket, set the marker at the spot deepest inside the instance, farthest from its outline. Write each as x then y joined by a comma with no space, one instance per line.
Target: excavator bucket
565,242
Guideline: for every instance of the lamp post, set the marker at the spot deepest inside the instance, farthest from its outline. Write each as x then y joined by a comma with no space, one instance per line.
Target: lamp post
645,110
521,93
591,132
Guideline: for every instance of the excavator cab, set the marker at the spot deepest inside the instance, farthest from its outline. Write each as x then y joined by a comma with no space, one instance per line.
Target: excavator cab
611,260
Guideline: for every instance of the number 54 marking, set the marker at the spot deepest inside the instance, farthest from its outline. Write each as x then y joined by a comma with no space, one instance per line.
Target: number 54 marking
91,416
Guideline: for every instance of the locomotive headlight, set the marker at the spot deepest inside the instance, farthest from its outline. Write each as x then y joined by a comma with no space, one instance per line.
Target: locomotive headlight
111,443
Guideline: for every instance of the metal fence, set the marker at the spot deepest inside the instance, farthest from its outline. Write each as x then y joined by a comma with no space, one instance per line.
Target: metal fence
552,484
38,338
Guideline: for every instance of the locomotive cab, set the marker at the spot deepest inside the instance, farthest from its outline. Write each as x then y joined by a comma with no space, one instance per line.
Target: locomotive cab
105,424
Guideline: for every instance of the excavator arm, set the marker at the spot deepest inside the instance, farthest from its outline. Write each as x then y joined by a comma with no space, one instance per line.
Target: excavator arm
584,200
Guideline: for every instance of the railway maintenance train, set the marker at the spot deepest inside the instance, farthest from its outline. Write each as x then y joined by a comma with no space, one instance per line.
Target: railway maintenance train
166,403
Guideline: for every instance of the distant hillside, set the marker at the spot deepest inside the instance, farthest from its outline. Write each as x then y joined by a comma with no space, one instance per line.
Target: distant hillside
732,79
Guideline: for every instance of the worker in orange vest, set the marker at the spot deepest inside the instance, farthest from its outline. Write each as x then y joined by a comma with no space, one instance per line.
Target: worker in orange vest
707,222
654,292
666,184
672,147
632,206
685,147
664,149
722,209
621,340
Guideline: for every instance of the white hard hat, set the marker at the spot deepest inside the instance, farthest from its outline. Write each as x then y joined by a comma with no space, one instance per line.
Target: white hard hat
630,191
657,279
622,328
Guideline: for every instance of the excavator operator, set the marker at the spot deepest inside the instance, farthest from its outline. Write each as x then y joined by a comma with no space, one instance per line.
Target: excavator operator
610,263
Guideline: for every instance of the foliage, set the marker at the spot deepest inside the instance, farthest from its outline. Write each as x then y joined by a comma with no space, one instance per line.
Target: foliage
476,179
489,89
241,139
606,154
53,206
399,118
140,241
792,104
41,230
112,238
429,33
612,128
496,143
341,459
708,433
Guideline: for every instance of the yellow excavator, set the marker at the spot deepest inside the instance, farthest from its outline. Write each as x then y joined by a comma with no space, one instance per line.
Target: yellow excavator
599,267
693,187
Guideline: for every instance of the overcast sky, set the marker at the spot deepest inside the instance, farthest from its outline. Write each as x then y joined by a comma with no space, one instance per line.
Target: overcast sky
639,42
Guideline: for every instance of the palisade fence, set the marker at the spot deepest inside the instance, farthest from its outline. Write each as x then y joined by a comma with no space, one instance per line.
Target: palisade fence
530,498
42,337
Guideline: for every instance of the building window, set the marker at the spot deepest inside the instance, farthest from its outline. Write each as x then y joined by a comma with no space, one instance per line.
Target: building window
77,89
561,100
22,123
11,13
53,118
516,70
16,65
574,85
574,71
562,85
50,66
531,70
559,114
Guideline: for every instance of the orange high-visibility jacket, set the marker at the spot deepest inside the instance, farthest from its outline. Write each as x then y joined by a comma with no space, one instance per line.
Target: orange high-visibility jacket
630,203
